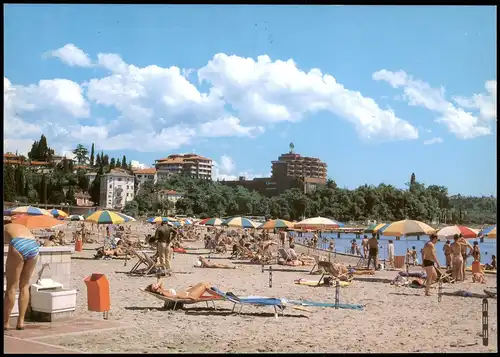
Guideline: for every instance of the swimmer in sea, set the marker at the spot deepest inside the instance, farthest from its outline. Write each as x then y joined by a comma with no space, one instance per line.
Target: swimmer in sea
430,262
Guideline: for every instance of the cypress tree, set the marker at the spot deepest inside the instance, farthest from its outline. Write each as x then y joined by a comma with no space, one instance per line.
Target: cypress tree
92,156
124,162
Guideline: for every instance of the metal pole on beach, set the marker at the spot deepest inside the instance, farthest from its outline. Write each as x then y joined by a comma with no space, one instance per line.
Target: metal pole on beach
485,322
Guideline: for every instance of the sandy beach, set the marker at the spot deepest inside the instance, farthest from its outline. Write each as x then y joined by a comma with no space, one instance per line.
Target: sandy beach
394,319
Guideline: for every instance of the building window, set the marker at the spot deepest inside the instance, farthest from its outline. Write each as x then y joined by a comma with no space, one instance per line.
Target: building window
119,178
110,186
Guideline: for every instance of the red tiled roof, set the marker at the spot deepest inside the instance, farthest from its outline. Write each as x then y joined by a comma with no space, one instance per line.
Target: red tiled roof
179,158
9,154
39,163
149,171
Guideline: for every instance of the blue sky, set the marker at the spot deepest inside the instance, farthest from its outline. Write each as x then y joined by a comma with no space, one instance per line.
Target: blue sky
375,92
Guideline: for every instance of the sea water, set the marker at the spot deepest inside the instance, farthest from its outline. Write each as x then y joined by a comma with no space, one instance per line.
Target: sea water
343,245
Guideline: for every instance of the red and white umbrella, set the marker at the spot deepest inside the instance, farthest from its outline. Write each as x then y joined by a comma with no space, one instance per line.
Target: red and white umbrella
449,232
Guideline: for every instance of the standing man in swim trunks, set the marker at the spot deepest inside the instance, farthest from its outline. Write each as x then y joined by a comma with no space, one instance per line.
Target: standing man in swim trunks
373,251
164,235
20,264
430,261
464,244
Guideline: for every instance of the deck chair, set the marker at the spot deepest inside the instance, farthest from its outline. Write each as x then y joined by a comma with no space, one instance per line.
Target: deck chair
362,262
317,258
140,262
282,253
173,302
276,303
150,261
329,270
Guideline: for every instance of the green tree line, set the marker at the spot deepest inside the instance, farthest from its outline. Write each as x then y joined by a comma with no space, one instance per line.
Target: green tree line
383,203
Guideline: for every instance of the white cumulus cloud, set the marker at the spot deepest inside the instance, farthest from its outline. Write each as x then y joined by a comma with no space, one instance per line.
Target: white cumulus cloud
72,56
463,124
136,165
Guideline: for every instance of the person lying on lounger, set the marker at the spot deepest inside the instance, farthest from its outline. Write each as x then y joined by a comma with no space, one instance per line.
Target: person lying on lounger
206,264
193,293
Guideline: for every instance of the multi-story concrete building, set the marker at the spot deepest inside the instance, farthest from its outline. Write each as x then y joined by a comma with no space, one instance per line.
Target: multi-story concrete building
145,175
289,171
188,164
117,188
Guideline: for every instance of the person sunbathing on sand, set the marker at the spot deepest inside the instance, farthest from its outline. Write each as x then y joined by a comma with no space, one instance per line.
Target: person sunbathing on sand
204,263
193,293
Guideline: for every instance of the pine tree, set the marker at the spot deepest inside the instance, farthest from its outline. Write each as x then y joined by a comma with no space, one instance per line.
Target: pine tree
124,162
92,156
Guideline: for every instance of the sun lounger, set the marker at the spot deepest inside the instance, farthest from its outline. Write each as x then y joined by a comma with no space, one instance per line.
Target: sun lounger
326,304
141,261
173,302
278,304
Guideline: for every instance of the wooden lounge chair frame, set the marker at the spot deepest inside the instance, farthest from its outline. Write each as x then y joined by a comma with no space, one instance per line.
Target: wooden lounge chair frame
328,270
139,262
167,301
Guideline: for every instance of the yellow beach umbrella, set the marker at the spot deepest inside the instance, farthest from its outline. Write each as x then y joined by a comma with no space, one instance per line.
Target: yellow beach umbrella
492,233
408,227
30,211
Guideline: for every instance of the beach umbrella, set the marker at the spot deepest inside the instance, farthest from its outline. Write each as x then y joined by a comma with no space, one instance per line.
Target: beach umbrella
36,222
127,218
383,228
449,232
276,223
75,217
374,228
408,227
56,213
188,221
7,212
31,211
486,231
492,233
240,222
211,222
317,223
158,219
105,217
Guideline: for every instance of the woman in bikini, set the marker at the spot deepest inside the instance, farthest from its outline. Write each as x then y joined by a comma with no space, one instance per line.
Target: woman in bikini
457,261
476,252
430,261
193,293
464,244
21,262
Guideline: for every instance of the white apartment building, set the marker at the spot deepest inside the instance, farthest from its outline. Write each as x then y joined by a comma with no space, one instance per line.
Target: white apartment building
170,195
189,164
145,175
117,188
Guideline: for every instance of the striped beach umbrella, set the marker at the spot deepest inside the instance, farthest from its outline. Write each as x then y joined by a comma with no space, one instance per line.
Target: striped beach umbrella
374,228
492,233
188,221
31,211
75,217
240,222
211,222
276,223
127,218
158,219
408,227
317,223
56,213
383,228
105,217
450,231
488,230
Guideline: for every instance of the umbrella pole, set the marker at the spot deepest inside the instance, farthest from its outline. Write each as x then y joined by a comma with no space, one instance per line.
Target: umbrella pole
407,258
